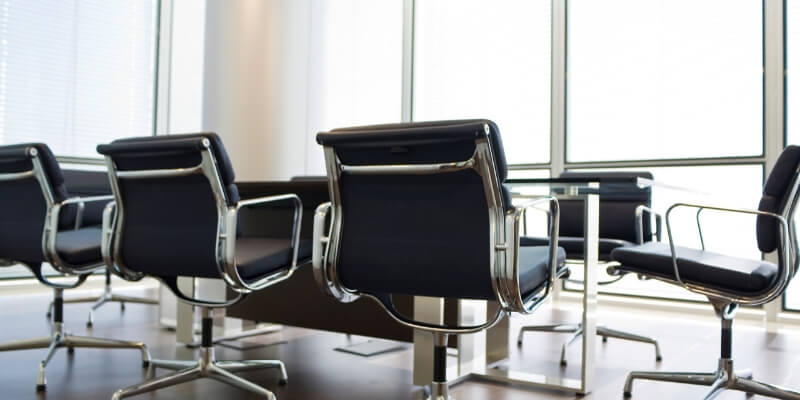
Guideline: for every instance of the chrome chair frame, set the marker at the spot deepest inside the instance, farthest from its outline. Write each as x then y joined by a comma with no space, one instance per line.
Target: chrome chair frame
504,242
576,330
206,366
726,303
59,337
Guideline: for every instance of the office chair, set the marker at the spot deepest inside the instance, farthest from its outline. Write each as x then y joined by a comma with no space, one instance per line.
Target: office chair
36,227
420,209
93,183
176,216
622,223
727,281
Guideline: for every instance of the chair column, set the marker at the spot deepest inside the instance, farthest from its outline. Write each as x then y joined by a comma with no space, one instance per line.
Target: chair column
439,388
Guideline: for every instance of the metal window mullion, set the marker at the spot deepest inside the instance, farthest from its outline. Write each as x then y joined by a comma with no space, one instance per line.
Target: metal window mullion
407,101
163,68
774,113
558,86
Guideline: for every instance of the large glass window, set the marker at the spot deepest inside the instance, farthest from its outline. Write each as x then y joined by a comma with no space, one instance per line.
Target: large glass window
76,73
355,67
792,299
487,59
663,79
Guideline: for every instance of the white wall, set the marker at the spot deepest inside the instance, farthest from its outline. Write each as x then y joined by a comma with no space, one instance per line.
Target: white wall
255,77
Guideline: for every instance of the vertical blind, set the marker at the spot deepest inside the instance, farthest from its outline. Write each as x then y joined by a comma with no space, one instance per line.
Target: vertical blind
75,73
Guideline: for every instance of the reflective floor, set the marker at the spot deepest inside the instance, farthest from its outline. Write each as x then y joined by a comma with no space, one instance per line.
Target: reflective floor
316,371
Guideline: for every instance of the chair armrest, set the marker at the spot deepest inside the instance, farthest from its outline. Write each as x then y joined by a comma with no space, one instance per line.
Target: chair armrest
50,236
506,283
81,202
784,274
230,272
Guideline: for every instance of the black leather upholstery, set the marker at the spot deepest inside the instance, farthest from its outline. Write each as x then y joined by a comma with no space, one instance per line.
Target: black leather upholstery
618,203
22,204
574,245
78,247
774,197
257,257
170,223
697,266
534,267
424,235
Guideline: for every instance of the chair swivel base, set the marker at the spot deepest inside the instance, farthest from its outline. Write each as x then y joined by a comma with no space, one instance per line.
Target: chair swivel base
106,297
577,330
725,378
60,339
206,366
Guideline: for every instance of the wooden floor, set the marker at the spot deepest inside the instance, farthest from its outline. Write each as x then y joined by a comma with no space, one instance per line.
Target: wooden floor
318,372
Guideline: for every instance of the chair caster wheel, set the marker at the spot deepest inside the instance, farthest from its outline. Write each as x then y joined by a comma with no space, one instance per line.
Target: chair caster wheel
122,306
563,363
659,358
70,350
605,339
49,314
283,382
626,395
89,324
519,343
749,395
40,388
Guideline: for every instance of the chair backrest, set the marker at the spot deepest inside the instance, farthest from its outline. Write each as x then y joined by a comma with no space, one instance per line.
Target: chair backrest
779,196
414,206
617,208
30,182
168,209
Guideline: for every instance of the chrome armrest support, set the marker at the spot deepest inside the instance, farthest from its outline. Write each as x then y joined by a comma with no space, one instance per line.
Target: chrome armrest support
227,239
107,243
81,202
324,267
640,211
784,272
507,276
50,236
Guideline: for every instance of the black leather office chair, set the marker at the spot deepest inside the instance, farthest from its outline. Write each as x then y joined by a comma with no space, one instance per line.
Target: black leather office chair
176,216
420,209
625,220
37,225
93,184
726,281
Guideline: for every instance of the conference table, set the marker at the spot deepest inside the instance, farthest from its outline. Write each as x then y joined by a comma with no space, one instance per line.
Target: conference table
478,354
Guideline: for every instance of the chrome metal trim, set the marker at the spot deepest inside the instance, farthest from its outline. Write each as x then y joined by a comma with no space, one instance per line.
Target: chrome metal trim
15,176
159,173
410,169
639,215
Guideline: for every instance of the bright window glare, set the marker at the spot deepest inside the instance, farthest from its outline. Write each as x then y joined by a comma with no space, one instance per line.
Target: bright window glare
737,186
662,79
355,66
487,59
76,73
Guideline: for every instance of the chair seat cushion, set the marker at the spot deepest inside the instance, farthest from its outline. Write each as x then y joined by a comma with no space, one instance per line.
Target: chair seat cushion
533,267
698,266
257,257
574,245
81,246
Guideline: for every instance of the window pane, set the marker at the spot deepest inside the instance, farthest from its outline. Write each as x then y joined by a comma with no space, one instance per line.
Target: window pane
355,67
660,79
76,73
186,73
487,59
737,186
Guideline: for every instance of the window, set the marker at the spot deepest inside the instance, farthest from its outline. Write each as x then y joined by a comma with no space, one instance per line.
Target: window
663,79
487,59
76,73
186,66
355,67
